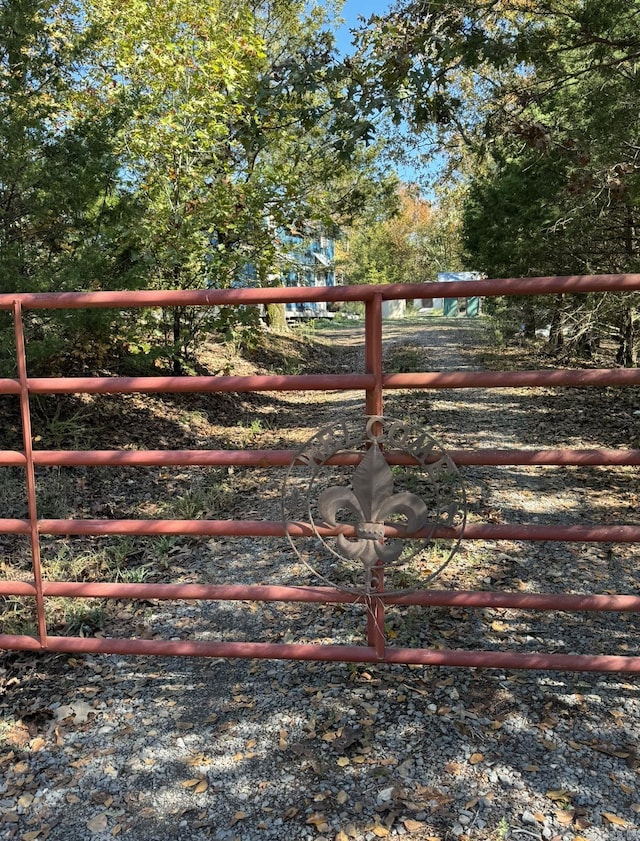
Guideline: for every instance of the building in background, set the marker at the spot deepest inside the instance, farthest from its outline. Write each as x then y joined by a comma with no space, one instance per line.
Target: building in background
452,307
308,259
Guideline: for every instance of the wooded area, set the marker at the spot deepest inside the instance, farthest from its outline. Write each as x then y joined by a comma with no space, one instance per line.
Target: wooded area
147,146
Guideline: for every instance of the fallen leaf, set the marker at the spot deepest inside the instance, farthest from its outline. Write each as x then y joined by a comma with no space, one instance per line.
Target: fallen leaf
627,789
499,626
319,821
198,759
31,836
190,783
558,795
380,831
476,758
37,744
239,816
343,761
98,823
342,836
621,754
564,817
251,744
615,820
453,767
81,711
342,797
411,825
202,786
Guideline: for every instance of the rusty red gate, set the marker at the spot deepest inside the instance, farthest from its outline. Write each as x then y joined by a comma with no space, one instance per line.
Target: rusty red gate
373,382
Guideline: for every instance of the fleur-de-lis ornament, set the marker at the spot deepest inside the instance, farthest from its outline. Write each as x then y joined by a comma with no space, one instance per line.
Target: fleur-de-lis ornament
373,503
399,540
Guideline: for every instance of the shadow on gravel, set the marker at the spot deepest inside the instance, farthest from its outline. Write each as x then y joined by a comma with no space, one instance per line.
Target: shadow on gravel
197,750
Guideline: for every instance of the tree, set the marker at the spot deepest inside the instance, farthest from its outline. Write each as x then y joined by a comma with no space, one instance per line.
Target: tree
234,133
410,243
562,179
61,217
536,104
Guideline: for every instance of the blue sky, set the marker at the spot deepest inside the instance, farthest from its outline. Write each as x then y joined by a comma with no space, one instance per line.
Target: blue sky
353,9
351,12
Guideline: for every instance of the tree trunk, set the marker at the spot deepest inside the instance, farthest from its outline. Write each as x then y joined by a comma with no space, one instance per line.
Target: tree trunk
275,317
627,354
177,339
529,320
556,336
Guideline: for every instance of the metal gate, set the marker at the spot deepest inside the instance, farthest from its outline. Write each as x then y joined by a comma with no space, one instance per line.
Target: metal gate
375,533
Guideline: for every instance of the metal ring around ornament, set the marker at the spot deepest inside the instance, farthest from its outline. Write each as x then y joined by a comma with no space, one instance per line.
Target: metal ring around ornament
375,495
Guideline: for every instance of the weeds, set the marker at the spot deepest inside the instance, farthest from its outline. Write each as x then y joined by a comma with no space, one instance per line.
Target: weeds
503,829
59,431
75,616
17,616
255,427
405,359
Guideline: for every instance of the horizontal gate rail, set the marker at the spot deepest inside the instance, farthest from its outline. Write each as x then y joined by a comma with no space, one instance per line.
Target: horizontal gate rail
329,382
489,287
566,602
283,458
374,382
275,528
340,653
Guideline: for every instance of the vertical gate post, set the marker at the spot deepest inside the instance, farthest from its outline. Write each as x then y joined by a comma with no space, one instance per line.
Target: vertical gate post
25,415
373,362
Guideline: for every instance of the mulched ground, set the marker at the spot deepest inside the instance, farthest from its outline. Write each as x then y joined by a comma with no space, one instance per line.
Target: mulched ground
190,749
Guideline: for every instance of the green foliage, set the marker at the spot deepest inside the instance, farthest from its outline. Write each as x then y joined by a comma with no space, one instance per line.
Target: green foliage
233,133
165,147
410,242
63,222
536,105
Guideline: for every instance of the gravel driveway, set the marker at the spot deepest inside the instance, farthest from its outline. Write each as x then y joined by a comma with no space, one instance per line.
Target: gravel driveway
158,749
